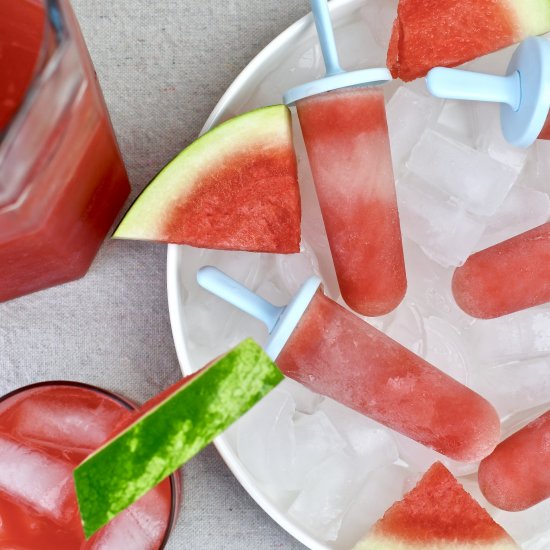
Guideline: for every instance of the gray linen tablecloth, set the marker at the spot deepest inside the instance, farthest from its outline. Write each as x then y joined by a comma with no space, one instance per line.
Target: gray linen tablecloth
163,66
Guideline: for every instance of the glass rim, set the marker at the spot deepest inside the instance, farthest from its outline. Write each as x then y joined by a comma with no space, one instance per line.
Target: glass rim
54,21
127,404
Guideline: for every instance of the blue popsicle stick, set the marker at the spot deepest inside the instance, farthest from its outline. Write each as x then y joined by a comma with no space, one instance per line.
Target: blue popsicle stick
335,77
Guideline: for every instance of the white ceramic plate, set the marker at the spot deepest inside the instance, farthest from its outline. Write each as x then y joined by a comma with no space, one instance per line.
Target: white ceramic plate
204,327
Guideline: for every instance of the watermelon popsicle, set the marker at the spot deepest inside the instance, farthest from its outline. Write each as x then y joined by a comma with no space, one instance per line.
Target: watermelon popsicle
507,277
516,475
333,352
524,93
343,122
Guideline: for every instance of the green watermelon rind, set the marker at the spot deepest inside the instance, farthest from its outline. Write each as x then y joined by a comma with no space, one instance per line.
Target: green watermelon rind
266,127
533,16
167,436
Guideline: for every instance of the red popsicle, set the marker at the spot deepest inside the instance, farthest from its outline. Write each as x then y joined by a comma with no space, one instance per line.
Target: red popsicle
510,276
516,475
336,354
346,137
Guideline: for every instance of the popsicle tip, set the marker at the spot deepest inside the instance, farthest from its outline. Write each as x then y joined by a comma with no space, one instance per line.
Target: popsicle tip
469,292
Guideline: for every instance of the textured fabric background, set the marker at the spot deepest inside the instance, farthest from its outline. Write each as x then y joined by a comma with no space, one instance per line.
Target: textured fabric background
163,66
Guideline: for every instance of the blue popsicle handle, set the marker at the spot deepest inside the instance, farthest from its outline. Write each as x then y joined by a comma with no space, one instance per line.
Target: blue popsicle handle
458,84
223,286
323,23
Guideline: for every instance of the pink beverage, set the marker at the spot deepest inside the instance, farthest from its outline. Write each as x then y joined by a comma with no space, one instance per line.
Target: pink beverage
45,431
346,137
336,354
516,475
507,277
62,179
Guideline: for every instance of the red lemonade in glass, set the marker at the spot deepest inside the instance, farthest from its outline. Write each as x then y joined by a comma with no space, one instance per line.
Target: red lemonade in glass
45,431
62,179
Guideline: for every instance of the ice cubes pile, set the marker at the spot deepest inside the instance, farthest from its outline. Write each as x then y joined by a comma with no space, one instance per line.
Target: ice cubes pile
461,188
294,438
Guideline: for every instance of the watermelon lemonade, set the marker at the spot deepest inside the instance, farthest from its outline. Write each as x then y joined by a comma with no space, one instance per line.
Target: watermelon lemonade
45,431
62,179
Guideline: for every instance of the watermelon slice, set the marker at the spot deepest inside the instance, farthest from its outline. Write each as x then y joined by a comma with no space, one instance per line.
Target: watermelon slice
438,514
431,33
235,188
170,431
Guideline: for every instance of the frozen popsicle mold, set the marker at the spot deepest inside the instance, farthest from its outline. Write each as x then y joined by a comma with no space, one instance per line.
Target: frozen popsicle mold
524,93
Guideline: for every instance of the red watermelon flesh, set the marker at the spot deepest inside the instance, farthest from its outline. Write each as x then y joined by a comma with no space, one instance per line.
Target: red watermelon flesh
431,33
235,188
545,132
250,203
437,514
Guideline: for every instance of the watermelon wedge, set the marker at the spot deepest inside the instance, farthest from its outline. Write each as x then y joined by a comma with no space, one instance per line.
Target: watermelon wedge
431,33
171,429
234,188
437,514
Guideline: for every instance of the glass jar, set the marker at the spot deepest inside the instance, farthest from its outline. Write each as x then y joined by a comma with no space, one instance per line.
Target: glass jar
62,178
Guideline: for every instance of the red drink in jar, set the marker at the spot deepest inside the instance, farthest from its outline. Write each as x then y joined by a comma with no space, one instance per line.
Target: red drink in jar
62,179
45,431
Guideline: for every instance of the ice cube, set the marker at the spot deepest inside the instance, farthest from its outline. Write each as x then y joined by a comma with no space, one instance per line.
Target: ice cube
513,337
445,231
445,348
265,438
515,386
357,48
305,400
371,441
316,440
36,479
379,18
419,457
407,327
491,140
478,181
530,526
328,491
226,324
76,422
429,287
540,166
381,489
458,121
140,527
408,114
523,209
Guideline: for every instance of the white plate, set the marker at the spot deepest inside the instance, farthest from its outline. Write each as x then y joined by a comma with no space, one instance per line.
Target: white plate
201,333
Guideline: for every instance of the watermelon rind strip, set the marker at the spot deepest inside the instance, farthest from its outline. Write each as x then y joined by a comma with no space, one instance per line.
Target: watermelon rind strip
533,15
158,443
